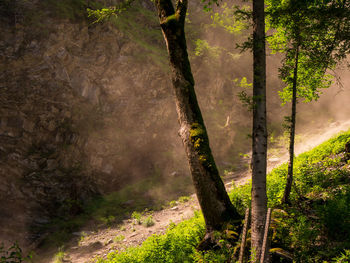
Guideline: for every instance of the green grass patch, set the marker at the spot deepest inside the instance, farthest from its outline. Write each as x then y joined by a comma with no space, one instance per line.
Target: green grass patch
177,245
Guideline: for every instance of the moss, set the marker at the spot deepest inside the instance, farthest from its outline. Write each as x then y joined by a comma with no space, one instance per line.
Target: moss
199,138
172,18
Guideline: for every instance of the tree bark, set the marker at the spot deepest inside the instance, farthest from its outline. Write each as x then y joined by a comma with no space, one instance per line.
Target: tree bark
211,193
285,199
259,136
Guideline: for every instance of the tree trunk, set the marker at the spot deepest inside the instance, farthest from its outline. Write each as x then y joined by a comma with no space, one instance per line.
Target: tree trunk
285,199
259,199
211,193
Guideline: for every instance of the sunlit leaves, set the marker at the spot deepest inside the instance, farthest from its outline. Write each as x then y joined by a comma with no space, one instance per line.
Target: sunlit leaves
203,48
106,13
299,23
231,19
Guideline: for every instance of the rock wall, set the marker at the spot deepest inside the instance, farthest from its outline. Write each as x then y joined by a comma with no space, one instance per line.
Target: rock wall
81,112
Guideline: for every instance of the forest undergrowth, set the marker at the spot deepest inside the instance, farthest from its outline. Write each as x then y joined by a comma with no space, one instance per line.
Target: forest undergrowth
313,228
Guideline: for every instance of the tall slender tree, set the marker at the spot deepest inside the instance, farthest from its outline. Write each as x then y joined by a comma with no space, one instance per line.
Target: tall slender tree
259,136
309,34
292,129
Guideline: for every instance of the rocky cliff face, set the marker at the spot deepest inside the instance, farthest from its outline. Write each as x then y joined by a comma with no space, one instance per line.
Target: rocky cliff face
81,111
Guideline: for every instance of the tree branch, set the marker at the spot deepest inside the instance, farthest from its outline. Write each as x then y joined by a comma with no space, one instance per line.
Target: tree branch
181,9
166,11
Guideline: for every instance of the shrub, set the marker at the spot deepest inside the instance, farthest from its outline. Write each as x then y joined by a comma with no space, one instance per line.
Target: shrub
137,217
148,221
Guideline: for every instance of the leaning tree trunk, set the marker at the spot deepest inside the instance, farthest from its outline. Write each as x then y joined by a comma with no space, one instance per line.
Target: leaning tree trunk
211,193
287,189
259,199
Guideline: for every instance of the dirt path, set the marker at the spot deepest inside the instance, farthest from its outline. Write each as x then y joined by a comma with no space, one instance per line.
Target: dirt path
88,245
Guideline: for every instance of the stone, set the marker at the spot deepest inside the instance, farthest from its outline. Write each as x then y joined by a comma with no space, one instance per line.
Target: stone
41,220
52,126
108,168
51,164
28,125
96,245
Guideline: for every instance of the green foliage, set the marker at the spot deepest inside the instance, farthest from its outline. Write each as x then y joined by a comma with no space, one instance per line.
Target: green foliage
59,256
229,18
247,100
172,203
316,227
137,217
204,49
105,14
13,254
296,27
314,230
184,199
343,258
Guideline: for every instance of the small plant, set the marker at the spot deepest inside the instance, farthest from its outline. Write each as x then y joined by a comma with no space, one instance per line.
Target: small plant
59,257
118,238
343,258
83,237
172,203
137,217
184,199
148,221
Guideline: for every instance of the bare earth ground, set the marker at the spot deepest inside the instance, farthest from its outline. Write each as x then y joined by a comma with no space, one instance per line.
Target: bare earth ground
87,244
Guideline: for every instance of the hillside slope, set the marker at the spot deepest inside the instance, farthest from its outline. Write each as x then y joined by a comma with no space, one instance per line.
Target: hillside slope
315,228
312,228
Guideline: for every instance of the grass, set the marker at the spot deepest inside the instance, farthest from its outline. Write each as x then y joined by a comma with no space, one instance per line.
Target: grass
118,238
315,228
59,256
178,245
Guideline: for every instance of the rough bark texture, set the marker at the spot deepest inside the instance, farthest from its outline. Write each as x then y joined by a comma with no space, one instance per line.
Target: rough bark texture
288,187
212,196
259,200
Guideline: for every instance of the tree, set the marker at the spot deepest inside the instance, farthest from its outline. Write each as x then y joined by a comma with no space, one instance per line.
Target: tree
212,196
210,189
259,136
308,38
